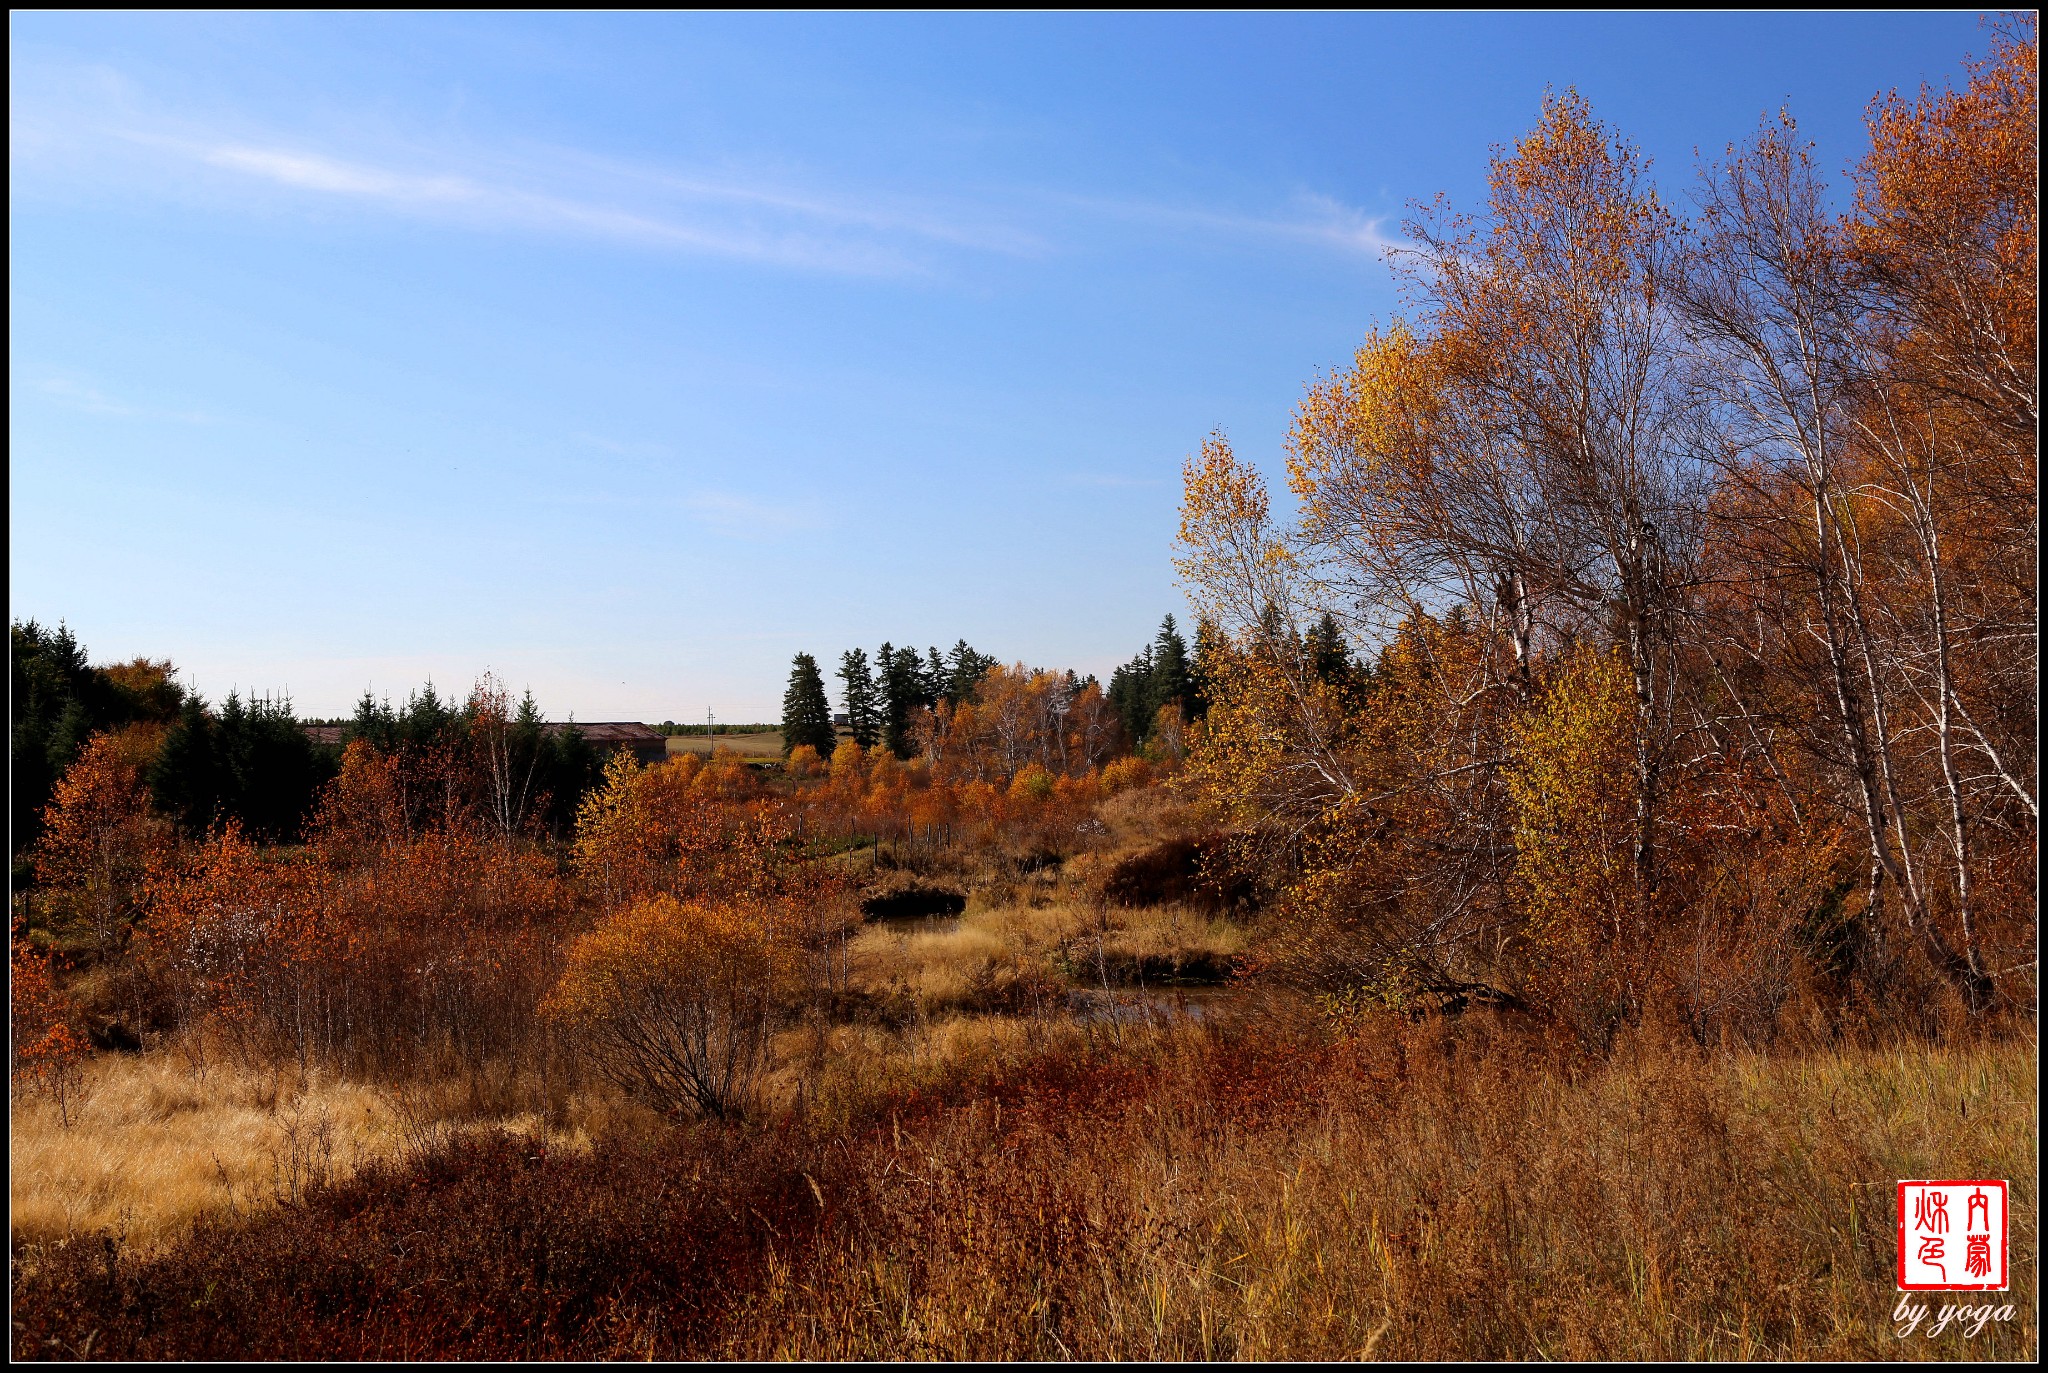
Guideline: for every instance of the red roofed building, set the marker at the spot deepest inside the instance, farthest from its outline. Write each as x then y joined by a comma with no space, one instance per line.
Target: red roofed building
648,745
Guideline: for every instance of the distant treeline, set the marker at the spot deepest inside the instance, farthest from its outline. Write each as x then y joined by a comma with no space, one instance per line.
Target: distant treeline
246,760
483,757
252,762
880,696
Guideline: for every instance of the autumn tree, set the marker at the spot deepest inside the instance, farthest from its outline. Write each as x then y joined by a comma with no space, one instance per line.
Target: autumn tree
1870,381
48,1053
1778,467
1554,344
677,1001
99,836
1944,248
1567,778
1381,826
508,746
58,701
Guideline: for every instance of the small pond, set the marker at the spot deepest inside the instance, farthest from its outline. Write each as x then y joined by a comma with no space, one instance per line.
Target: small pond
1146,1005
923,906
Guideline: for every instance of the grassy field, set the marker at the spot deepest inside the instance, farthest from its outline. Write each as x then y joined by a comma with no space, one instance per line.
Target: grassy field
1017,1133
968,1185
169,1137
750,746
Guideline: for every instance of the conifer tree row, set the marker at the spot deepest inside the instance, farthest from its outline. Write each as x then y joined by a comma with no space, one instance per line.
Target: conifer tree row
880,696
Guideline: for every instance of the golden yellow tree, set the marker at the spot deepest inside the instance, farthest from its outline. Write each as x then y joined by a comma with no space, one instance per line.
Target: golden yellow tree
677,1001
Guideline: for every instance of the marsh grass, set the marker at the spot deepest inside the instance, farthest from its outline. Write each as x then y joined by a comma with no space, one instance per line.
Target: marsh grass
963,965
1434,1196
996,1187
164,1140
157,1145
986,1172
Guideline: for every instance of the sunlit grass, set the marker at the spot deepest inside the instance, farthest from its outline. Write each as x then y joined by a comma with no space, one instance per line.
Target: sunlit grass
1666,1205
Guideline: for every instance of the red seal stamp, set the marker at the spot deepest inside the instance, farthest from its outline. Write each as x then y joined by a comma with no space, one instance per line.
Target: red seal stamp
1952,1236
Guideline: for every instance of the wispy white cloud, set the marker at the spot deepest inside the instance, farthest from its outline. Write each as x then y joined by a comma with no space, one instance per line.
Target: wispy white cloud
1324,219
1310,218
96,126
782,231
958,225
312,172
77,395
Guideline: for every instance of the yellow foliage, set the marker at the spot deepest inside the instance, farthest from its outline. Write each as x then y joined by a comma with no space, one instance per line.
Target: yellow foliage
849,764
1124,774
677,1000
1570,783
1032,783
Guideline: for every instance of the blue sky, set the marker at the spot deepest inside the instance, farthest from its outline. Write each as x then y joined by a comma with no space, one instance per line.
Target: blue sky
628,355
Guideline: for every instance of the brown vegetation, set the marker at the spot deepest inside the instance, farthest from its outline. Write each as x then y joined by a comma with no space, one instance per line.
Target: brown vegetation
1430,1191
1575,978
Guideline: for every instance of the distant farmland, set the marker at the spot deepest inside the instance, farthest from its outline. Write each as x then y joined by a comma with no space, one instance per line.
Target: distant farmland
767,744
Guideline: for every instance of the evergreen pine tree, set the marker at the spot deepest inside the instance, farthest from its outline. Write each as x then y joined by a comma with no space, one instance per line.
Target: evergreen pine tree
426,719
1209,645
1171,683
250,762
892,712
967,669
1276,631
374,723
1130,695
902,696
1329,657
862,707
806,713
569,768
184,778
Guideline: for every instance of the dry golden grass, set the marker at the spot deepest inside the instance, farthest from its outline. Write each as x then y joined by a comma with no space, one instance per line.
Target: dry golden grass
1144,816
156,1145
163,1138
1665,1205
936,966
831,1078
945,965
1167,933
1422,1191
160,1140
942,965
